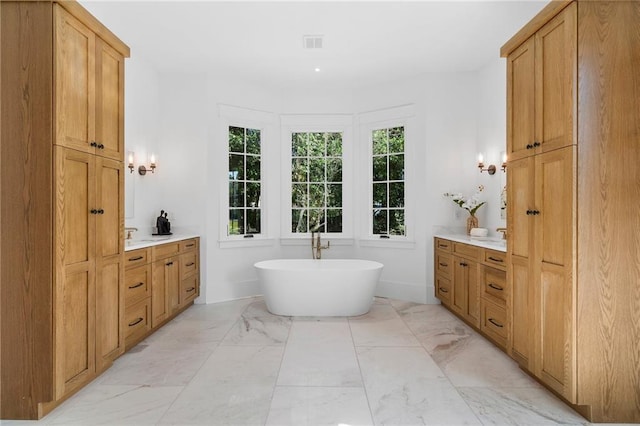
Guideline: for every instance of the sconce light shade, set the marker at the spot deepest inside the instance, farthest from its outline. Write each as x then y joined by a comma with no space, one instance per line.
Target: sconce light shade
504,161
142,169
130,160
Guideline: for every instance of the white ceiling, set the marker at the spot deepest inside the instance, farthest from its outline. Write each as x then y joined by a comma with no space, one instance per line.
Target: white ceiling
365,43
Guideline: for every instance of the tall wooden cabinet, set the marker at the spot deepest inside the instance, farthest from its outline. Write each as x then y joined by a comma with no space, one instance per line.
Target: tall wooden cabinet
573,96
62,210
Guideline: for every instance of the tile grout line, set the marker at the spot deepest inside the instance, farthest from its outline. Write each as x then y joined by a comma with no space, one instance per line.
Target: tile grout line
364,385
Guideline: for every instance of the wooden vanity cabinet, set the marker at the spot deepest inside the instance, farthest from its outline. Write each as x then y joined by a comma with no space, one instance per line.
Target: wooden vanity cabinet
62,114
574,316
465,295
137,277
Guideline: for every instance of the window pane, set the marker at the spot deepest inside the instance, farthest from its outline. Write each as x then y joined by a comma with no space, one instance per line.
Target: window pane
380,221
253,195
236,167
334,220
253,167
379,195
334,195
299,195
253,221
396,194
236,139
334,170
316,218
380,141
334,145
396,167
253,141
236,194
380,168
299,170
396,222
236,221
299,145
316,145
396,139
316,195
299,221
316,170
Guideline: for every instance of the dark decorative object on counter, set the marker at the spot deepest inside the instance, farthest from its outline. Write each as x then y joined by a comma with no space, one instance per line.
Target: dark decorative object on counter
162,224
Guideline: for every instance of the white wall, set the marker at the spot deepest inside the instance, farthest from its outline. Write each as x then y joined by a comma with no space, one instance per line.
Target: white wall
176,116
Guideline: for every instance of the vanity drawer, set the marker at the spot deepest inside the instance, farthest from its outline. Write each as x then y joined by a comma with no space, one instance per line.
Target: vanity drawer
187,245
466,250
137,284
494,283
189,289
494,322
188,264
443,263
496,258
137,321
443,289
164,250
135,258
444,245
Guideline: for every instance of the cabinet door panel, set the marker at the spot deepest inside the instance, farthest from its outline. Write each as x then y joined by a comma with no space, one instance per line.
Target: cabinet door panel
473,294
556,88
109,101
109,313
459,296
74,82
521,101
521,311
520,181
110,201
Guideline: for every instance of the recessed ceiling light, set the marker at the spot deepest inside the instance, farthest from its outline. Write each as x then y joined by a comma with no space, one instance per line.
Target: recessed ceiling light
316,69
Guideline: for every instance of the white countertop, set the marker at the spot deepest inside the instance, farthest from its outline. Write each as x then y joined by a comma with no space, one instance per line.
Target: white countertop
144,241
492,243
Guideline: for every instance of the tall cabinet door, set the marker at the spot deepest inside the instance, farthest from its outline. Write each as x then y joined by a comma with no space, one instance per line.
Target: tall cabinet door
74,82
109,101
109,261
521,101
520,205
556,81
74,294
553,273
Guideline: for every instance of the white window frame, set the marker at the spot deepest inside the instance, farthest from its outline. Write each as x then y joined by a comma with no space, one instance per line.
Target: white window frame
401,116
334,123
231,116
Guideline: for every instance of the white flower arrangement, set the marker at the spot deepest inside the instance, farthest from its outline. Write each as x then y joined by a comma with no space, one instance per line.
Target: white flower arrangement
470,204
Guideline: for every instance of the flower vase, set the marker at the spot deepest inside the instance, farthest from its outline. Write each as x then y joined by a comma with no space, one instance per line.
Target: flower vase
472,222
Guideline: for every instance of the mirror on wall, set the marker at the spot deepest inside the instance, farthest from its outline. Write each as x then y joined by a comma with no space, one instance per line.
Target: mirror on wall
129,195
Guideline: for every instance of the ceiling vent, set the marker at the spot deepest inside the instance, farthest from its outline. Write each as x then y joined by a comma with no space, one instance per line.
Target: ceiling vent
312,41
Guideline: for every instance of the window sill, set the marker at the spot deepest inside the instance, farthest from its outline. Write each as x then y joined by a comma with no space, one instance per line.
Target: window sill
335,241
246,242
387,243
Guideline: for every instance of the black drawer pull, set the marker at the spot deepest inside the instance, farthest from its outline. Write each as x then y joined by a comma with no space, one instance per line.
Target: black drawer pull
191,289
495,287
444,265
168,264
190,245
133,259
497,324
463,264
190,264
536,144
443,290
495,259
94,144
137,285
138,321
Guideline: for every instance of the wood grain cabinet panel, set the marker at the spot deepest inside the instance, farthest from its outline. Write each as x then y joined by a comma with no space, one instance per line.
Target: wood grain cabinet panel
573,262
66,218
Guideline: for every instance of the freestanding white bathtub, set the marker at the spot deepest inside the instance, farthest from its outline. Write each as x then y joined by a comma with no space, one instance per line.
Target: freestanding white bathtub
318,288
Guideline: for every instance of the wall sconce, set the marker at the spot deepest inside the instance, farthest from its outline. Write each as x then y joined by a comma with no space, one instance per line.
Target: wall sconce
491,169
504,161
142,169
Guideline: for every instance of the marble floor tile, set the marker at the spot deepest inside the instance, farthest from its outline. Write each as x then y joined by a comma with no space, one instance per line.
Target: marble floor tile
381,327
319,406
119,404
220,403
410,396
242,364
258,331
519,407
157,366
